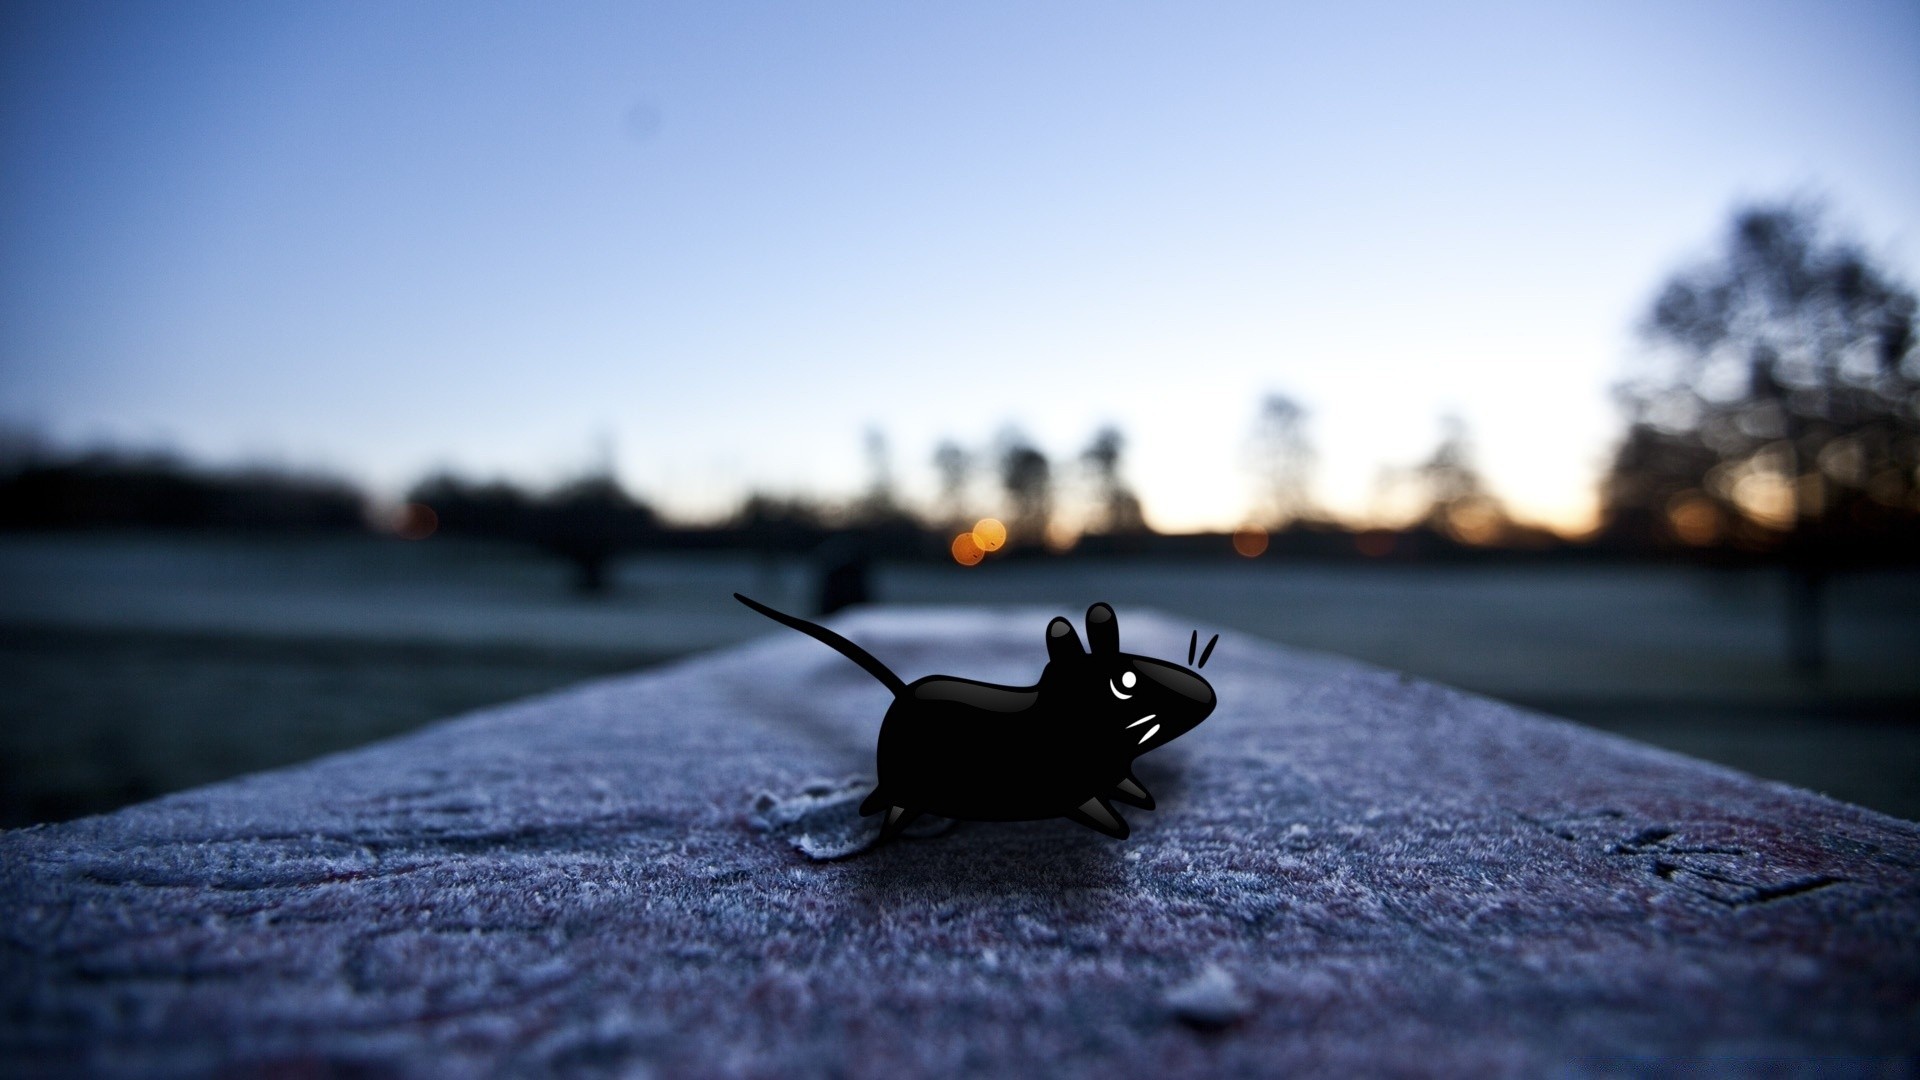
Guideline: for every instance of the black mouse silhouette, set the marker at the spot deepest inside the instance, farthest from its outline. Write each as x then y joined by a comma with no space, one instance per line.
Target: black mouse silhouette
1063,747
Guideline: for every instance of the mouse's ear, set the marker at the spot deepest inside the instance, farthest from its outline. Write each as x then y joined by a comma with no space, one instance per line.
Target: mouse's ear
1103,629
1062,642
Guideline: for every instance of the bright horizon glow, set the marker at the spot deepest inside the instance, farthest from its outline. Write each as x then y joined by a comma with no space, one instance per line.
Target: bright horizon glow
725,242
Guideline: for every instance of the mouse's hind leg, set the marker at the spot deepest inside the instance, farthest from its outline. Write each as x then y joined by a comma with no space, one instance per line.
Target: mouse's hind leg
898,818
1098,814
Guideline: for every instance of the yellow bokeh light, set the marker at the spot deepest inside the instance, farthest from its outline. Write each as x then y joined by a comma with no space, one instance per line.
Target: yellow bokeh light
1767,497
1477,524
965,551
989,535
1250,541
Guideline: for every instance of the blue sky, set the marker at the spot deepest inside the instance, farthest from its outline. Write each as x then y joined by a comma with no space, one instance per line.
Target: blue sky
728,238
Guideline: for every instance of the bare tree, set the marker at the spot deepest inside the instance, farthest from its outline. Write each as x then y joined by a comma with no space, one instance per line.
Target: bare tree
1284,460
1779,408
1459,502
955,466
878,503
589,521
1117,508
1786,366
1028,479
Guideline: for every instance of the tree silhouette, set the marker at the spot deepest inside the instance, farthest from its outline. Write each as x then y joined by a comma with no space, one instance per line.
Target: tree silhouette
588,521
1459,503
879,504
493,509
1779,409
1780,402
1284,460
955,466
1117,508
1028,479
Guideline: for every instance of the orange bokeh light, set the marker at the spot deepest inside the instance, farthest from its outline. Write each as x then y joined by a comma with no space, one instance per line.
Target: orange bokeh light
415,521
1374,543
1250,541
1694,519
989,534
965,551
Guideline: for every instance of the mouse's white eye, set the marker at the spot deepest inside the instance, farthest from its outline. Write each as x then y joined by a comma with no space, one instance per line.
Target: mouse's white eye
1129,679
1126,680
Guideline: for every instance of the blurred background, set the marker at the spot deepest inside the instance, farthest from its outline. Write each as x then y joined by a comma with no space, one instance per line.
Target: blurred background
364,363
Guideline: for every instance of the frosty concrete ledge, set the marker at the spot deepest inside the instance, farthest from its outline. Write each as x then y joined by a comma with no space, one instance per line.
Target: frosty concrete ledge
1349,872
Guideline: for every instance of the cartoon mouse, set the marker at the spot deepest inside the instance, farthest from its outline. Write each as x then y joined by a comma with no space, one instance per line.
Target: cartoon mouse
1063,747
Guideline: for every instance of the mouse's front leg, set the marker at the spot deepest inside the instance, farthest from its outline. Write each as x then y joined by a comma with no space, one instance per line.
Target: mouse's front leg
1095,813
1130,792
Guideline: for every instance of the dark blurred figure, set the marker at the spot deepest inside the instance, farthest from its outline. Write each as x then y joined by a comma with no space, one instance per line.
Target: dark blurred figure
846,571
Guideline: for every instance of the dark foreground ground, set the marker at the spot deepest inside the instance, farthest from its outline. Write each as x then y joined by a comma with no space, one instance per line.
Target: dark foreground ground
131,666
1349,872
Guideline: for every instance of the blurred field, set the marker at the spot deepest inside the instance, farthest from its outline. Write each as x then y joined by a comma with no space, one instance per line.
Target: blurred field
132,665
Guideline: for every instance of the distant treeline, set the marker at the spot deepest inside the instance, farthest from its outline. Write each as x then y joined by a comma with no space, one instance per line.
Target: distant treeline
122,490
1777,419
592,519
114,489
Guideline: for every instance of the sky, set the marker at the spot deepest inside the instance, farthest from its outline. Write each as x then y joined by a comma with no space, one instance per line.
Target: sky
720,242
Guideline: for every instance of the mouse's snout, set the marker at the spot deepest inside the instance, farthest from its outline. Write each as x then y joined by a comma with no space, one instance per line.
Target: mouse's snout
1190,687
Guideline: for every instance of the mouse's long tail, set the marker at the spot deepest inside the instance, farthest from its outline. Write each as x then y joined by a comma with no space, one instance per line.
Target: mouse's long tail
839,644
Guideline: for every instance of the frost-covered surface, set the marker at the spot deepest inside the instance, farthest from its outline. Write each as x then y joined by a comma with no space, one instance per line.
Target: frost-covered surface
1350,872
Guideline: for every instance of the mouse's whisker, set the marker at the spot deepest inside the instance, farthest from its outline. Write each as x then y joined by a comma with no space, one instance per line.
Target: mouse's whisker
1215,640
1143,719
1192,643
